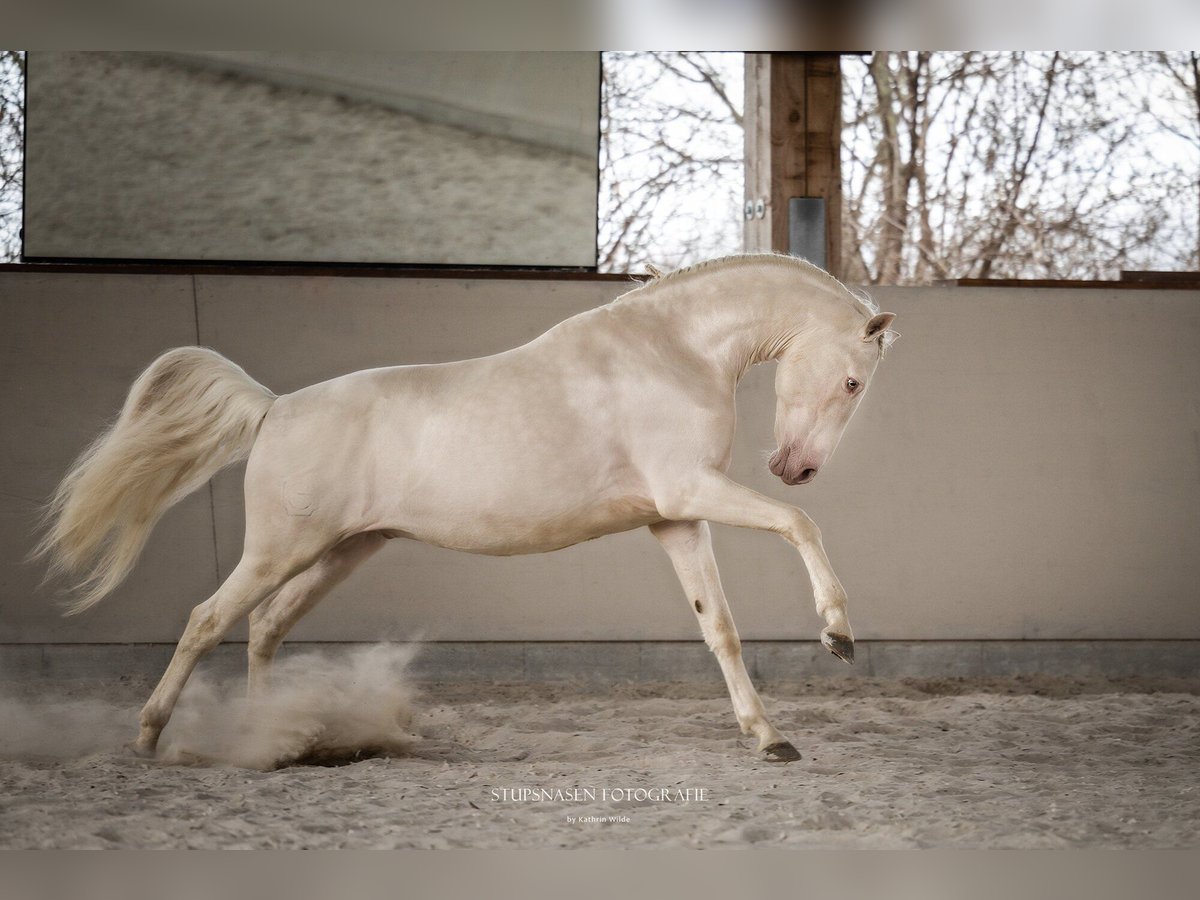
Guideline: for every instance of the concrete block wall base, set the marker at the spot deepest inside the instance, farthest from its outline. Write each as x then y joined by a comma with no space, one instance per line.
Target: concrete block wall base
651,661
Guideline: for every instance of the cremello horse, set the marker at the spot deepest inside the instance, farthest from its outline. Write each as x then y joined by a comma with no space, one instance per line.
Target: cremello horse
616,418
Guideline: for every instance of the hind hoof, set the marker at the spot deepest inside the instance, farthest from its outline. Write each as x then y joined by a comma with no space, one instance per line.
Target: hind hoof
780,751
140,751
840,646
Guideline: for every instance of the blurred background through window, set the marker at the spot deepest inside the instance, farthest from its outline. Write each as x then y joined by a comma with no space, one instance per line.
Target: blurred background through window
1067,165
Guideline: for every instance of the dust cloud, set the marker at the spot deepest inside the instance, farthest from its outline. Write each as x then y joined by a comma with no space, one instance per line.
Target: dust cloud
319,707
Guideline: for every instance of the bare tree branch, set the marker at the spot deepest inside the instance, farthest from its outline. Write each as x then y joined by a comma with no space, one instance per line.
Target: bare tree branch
672,166
1020,165
12,139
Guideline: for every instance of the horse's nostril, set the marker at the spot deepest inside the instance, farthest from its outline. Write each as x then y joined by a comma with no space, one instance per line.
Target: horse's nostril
807,475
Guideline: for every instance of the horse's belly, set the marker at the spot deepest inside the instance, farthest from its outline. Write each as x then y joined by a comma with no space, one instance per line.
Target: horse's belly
510,532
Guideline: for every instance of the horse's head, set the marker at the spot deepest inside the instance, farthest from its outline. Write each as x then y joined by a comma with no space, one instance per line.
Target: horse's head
818,385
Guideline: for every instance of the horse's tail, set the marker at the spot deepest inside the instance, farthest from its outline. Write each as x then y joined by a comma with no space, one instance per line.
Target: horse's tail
190,414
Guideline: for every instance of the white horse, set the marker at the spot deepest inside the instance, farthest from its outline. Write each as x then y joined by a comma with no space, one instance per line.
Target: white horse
616,418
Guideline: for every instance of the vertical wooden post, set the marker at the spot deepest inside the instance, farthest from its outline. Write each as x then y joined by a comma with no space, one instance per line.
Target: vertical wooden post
793,119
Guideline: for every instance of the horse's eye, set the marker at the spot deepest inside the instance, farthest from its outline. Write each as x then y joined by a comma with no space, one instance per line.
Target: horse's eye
852,385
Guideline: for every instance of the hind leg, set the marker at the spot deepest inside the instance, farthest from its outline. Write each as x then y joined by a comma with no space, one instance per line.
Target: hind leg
255,578
271,621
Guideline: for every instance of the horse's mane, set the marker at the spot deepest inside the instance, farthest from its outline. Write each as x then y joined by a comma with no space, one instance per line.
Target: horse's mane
861,298
739,260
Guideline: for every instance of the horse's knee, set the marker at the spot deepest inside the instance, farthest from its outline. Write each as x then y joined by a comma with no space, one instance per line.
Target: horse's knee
802,529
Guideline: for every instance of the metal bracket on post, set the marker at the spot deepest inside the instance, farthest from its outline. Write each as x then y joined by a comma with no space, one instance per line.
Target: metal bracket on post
806,229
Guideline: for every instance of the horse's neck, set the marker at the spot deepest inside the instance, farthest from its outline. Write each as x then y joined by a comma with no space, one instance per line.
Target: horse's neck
735,320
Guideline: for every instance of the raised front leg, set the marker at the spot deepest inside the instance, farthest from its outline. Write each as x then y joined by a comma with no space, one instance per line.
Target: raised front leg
712,496
689,545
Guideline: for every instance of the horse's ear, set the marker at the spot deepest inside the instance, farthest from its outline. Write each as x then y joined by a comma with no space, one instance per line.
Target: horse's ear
877,325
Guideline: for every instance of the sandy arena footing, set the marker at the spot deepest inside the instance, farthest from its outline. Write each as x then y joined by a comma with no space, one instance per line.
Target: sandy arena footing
1032,762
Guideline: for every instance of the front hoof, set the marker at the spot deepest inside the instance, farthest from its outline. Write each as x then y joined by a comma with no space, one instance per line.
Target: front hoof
840,646
780,751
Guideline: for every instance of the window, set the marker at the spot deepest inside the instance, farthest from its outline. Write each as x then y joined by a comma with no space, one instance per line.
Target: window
671,159
1019,165
1071,165
1068,165
12,137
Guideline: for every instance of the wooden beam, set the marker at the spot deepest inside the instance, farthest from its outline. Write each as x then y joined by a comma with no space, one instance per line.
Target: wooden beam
793,120
1169,284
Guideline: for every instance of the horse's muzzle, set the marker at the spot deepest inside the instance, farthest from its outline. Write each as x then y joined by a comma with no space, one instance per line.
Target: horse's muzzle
805,476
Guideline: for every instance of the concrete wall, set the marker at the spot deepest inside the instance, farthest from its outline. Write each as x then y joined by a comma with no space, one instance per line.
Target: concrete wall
546,98
1027,465
135,156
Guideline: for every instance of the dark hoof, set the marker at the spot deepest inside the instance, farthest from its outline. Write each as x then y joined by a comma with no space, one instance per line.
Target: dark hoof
780,751
840,646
